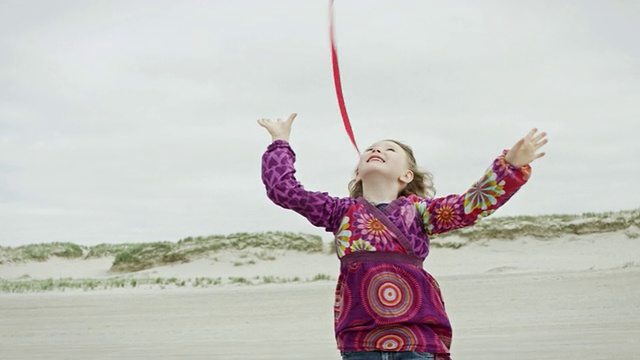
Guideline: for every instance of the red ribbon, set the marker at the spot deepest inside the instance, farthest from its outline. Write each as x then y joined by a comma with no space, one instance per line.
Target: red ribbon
336,79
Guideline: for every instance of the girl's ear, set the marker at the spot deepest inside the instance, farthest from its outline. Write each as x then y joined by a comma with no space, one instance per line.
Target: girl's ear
407,177
358,176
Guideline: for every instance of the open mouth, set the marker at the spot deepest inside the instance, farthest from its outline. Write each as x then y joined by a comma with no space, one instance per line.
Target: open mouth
375,158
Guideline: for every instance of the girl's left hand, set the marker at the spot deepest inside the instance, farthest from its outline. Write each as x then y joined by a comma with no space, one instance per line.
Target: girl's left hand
279,130
526,149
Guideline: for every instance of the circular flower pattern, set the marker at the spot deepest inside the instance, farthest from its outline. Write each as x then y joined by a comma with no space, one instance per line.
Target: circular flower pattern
448,214
390,296
371,230
396,338
483,193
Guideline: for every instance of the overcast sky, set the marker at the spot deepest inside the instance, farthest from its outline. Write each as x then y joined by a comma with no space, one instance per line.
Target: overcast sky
133,121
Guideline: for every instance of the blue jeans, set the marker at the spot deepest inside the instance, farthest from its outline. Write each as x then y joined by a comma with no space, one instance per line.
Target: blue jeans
384,355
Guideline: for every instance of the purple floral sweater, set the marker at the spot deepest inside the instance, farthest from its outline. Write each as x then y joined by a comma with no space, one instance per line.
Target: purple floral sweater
384,299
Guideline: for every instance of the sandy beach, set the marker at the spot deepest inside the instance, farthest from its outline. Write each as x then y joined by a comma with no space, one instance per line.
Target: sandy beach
575,297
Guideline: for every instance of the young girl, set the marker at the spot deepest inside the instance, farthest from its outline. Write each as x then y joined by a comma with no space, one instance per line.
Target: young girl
387,306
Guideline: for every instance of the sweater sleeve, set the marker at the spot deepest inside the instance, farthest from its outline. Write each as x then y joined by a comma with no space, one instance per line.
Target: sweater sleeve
278,176
497,185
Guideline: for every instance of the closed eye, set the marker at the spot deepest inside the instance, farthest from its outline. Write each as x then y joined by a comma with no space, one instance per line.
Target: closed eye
391,149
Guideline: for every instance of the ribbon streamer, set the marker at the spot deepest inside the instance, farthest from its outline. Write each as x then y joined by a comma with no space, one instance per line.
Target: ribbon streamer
338,83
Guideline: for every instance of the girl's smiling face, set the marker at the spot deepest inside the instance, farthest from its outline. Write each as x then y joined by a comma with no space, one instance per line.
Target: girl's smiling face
384,158
411,181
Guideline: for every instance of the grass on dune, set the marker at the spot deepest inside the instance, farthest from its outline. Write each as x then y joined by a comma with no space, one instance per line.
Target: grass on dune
545,227
133,257
140,256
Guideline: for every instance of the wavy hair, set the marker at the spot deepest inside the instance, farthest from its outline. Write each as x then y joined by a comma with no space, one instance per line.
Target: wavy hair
421,185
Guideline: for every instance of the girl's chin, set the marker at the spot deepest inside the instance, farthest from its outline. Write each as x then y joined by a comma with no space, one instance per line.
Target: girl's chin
376,174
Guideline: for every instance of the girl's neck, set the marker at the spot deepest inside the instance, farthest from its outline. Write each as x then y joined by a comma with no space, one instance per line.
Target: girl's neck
380,192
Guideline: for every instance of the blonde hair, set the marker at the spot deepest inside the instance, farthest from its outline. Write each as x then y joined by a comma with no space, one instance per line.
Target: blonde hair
421,185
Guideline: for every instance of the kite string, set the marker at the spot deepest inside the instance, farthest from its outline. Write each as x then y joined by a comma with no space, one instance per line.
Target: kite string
338,83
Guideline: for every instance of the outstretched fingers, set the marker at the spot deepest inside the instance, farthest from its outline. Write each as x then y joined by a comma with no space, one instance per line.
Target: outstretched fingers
526,149
267,122
539,137
531,134
279,130
264,122
540,144
537,140
291,118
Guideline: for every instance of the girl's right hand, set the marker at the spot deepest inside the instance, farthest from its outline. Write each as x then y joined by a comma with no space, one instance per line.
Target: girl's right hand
526,149
279,130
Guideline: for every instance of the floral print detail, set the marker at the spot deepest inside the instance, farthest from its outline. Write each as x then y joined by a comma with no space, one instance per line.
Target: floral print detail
343,237
501,166
372,230
421,207
483,193
361,245
448,214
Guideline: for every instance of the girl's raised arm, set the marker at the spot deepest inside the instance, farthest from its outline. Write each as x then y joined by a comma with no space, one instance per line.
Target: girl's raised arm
278,176
500,182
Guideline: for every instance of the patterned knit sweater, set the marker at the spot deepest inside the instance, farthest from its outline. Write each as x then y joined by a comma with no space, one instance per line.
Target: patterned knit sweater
384,299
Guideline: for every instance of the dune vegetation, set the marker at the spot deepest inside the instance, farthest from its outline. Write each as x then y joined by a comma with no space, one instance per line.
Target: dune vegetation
543,227
130,258
140,256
